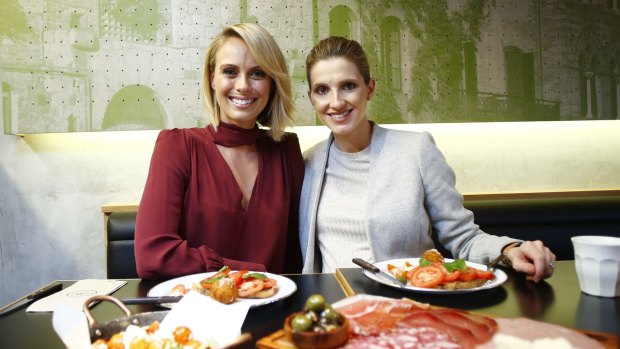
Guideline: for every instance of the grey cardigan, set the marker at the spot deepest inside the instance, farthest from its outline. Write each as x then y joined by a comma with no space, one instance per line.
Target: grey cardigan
411,195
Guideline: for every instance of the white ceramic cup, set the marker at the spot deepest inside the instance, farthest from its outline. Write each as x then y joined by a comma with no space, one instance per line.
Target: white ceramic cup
597,261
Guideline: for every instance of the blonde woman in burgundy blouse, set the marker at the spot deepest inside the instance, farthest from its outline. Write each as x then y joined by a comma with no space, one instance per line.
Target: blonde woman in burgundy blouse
227,194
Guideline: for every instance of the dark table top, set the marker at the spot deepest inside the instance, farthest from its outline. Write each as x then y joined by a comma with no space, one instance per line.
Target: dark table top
556,300
20,329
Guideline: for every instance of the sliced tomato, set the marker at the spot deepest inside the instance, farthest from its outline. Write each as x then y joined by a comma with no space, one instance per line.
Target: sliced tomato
468,274
249,287
269,283
448,276
484,274
452,276
237,276
428,276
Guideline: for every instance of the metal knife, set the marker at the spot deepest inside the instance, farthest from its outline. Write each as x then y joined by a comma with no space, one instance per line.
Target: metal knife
36,295
381,274
152,300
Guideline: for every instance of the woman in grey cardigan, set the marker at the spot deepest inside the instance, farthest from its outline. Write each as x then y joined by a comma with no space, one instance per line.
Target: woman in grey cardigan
378,193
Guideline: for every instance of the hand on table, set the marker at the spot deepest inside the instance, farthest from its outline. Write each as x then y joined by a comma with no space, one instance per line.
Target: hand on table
532,258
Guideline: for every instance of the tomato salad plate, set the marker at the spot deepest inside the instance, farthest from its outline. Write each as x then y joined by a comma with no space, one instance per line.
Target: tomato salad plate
286,287
499,277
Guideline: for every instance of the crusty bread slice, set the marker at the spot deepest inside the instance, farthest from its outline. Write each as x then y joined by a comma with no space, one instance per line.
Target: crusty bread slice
196,287
459,285
266,293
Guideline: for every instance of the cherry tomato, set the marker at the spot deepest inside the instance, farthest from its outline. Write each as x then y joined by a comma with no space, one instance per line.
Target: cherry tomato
468,275
484,274
399,273
116,342
153,327
391,267
426,276
182,334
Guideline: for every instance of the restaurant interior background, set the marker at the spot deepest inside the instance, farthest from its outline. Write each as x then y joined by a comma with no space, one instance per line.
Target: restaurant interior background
521,97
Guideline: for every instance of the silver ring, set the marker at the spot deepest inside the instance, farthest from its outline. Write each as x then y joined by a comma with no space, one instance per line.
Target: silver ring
551,265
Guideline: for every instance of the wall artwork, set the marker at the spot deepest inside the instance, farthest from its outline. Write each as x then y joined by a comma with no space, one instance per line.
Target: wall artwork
75,66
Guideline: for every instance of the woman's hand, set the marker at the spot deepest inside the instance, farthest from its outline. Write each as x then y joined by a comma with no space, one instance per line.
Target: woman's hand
532,258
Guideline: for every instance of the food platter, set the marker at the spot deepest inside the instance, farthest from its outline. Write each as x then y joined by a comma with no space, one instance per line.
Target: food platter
286,288
500,277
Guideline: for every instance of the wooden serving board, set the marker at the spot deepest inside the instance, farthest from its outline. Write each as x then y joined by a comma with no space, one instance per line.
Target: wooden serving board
279,340
276,340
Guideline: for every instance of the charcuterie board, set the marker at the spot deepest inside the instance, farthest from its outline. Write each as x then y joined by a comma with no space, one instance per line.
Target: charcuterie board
279,340
522,327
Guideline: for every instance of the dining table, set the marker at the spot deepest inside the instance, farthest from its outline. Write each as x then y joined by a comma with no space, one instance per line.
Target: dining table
556,300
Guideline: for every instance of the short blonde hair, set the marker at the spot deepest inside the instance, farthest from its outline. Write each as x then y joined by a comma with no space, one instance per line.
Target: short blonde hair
278,114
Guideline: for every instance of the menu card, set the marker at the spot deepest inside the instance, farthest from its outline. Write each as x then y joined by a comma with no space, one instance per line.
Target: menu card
75,295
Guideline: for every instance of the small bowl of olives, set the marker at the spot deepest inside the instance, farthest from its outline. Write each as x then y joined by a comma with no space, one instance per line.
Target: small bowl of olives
318,326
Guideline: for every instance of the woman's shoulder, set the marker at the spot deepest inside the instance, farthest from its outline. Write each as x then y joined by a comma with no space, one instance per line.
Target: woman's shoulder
184,135
404,137
318,148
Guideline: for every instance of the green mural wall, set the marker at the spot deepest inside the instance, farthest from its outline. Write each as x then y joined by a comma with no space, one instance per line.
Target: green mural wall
69,65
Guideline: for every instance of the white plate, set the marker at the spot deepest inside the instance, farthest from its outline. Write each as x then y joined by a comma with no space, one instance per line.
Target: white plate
286,288
500,277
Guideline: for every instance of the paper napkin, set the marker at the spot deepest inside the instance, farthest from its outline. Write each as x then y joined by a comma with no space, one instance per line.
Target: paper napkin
71,326
196,311
75,295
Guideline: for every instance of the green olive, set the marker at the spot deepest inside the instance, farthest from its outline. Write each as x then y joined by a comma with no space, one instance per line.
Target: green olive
301,323
331,316
316,303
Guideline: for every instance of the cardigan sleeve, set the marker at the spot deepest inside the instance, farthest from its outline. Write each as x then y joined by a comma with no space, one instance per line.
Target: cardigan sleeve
451,221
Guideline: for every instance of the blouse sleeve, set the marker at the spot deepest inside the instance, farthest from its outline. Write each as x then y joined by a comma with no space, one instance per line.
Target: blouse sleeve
160,250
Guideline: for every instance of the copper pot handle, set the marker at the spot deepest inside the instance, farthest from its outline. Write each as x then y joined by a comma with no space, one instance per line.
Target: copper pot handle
97,298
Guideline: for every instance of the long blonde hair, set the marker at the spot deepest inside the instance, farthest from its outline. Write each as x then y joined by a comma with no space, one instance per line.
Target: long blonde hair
278,114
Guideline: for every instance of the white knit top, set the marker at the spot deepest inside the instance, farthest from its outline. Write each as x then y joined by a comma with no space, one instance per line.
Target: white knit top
342,212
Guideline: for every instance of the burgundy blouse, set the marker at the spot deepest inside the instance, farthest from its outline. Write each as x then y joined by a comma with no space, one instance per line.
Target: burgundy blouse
190,218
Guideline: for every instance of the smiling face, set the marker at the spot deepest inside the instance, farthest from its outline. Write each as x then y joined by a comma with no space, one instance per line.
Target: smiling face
241,86
340,97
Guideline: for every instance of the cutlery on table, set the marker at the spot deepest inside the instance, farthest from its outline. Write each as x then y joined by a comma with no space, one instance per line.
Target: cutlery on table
502,258
152,300
378,272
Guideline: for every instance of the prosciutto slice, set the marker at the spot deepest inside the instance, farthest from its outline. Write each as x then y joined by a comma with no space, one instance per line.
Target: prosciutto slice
379,322
371,315
468,330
